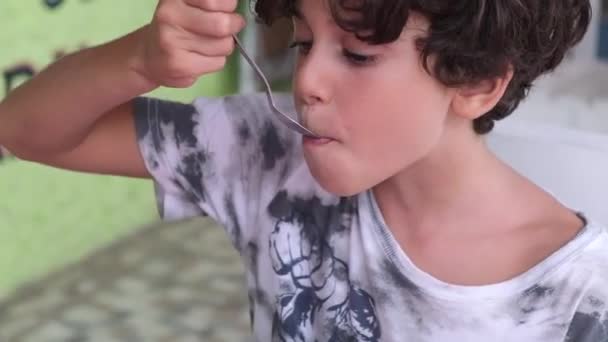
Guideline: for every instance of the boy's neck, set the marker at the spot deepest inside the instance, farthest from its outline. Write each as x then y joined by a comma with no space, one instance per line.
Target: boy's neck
448,210
461,185
444,188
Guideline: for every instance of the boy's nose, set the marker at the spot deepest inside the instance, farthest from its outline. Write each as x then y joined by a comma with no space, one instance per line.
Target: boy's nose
312,83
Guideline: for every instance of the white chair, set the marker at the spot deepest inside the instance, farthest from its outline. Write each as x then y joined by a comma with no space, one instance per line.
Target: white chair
571,164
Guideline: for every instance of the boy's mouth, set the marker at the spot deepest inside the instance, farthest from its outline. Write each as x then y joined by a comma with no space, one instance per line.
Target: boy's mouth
320,136
314,141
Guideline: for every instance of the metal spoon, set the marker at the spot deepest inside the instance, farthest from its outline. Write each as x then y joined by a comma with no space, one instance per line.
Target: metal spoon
284,118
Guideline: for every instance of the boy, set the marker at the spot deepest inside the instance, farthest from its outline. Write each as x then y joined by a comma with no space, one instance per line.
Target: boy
398,224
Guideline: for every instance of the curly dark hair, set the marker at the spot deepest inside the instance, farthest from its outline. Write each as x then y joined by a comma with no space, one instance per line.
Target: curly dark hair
470,40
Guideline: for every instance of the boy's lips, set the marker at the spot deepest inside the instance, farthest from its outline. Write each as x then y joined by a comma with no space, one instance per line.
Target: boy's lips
320,135
307,140
318,131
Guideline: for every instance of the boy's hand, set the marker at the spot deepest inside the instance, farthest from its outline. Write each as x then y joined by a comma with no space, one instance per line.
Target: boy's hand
187,39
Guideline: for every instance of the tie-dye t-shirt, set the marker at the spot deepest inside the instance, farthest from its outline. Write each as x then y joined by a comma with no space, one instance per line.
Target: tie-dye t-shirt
326,268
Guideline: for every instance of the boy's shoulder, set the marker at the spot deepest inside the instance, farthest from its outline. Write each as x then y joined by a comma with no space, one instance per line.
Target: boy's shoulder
589,266
590,274
247,103
216,154
598,240
594,256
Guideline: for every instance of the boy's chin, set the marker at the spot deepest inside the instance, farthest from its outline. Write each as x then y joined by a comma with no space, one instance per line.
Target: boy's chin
338,177
341,187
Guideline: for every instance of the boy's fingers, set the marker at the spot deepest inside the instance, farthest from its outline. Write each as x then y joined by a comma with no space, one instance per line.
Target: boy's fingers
214,5
191,65
212,24
211,47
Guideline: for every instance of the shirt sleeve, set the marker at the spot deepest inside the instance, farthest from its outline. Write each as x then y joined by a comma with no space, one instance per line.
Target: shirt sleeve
218,157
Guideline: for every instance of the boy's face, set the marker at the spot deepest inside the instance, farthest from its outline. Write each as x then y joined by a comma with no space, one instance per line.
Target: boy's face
381,109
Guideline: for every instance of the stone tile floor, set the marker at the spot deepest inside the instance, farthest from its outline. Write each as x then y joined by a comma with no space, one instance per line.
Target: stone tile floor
178,283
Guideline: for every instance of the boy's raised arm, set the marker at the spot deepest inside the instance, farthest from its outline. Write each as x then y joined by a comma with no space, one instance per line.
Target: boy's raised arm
72,110
77,113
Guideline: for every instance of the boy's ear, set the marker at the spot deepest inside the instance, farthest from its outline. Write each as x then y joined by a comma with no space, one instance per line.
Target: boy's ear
474,100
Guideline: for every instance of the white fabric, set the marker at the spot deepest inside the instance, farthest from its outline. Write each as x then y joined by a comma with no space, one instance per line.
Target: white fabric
327,268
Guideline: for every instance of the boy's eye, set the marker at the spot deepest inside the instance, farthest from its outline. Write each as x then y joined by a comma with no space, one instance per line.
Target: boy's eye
302,46
358,59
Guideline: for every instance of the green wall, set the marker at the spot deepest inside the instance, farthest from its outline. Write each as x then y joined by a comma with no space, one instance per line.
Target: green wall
49,217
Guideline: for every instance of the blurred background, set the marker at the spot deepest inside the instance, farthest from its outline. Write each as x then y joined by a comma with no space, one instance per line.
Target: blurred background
81,257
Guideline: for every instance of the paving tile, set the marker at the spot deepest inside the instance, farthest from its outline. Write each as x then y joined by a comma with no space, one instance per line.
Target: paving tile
85,315
181,283
13,329
51,331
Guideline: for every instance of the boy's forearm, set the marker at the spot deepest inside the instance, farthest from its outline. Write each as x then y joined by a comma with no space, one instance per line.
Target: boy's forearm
56,110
